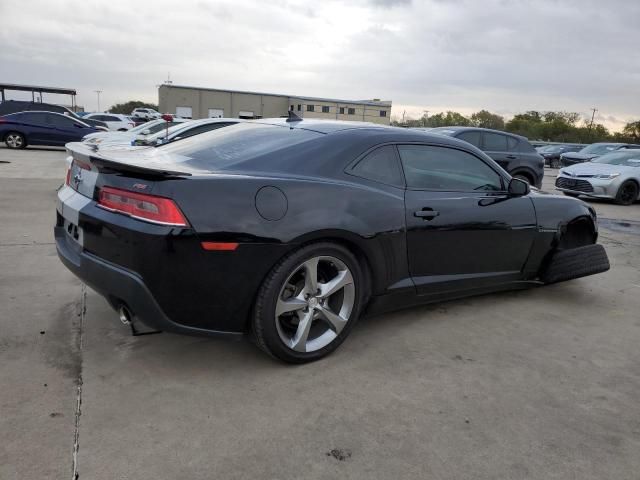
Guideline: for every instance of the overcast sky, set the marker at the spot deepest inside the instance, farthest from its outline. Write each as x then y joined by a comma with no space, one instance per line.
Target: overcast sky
502,55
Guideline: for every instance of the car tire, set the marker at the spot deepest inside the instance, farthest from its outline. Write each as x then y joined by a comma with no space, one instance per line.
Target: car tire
309,325
627,193
15,140
572,195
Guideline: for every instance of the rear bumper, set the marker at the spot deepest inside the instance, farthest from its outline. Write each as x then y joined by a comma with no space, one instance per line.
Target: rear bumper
121,286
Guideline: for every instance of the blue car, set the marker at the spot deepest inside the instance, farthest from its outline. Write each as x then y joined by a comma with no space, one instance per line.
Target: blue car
20,129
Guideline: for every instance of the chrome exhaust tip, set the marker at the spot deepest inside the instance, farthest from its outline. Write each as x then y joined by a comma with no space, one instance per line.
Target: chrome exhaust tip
125,315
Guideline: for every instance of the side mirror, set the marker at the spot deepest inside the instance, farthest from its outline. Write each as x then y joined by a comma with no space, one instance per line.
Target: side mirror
146,132
518,187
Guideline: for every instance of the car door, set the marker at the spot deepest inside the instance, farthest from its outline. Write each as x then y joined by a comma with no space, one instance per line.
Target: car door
66,130
35,127
463,229
496,146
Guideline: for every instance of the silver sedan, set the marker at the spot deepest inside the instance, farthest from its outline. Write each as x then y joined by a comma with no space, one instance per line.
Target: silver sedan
615,176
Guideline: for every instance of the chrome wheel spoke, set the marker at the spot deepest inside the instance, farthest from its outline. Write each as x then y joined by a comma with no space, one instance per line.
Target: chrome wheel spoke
342,279
299,340
315,303
289,305
311,275
336,322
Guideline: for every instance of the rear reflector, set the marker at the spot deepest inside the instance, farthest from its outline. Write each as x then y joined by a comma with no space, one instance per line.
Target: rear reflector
150,208
224,246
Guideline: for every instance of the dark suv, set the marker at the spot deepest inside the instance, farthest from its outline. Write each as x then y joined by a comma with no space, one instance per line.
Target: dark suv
512,152
15,106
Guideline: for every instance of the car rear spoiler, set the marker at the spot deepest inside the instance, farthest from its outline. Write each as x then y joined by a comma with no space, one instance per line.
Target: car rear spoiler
132,161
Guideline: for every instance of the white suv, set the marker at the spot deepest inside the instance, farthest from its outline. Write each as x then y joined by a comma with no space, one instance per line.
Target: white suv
114,121
145,113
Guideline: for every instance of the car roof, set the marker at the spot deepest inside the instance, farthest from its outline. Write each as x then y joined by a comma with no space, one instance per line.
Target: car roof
369,132
321,126
480,129
46,111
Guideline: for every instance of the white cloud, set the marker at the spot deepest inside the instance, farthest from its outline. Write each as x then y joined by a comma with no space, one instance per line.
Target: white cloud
432,55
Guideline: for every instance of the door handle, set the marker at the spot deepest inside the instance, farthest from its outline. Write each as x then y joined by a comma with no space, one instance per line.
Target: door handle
511,157
426,213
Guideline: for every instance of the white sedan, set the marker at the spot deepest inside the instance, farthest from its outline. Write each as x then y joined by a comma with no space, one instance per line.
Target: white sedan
115,121
141,131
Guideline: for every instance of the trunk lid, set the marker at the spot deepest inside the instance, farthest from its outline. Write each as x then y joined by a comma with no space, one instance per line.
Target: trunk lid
135,170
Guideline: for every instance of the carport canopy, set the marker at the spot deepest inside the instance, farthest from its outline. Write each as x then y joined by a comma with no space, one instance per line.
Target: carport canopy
37,89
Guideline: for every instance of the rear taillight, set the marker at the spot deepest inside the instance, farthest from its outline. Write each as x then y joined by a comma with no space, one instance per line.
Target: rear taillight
68,179
150,208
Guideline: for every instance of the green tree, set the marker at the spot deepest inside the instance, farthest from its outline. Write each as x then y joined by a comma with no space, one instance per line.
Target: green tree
486,119
127,107
448,119
632,131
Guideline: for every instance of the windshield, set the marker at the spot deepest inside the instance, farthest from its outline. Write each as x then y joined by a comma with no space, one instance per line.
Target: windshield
600,148
146,126
549,149
627,159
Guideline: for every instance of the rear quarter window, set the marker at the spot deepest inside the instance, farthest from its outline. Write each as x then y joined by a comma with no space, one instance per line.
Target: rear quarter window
381,165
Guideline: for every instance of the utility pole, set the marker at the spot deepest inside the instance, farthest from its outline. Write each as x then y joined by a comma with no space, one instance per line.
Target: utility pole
425,117
98,92
592,117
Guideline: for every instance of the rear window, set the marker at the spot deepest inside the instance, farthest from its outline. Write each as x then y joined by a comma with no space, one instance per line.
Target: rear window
235,144
494,142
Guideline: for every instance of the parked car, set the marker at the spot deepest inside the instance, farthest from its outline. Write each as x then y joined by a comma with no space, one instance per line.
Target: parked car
512,152
613,176
115,121
185,130
15,106
290,230
592,151
19,130
551,153
145,113
142,130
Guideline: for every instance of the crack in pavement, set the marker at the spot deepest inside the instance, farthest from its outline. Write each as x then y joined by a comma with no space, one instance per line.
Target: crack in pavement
78,342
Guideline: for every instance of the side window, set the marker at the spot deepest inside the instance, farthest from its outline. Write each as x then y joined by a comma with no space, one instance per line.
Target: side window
494,142
442,168
39,118
512,143
471,136
60,121
381,165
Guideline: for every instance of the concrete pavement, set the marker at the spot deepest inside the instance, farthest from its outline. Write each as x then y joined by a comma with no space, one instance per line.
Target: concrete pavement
537,384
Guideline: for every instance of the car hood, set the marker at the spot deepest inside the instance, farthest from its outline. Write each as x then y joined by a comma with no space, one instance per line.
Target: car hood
580,156
591,168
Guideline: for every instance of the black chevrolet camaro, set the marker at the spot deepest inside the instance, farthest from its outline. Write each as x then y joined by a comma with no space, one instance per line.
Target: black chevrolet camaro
289,230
